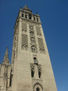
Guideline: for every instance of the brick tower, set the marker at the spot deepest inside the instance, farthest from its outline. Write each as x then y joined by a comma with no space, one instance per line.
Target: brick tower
31,68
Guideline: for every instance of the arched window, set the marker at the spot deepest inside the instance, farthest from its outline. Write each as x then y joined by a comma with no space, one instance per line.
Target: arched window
30,16
39,73
32,71
11,76
35,60
22,15
37,89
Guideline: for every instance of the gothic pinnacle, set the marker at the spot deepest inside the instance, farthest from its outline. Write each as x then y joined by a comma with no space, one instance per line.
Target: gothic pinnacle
6,59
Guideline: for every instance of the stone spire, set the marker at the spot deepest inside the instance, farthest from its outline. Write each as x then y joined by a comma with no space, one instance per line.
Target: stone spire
6,58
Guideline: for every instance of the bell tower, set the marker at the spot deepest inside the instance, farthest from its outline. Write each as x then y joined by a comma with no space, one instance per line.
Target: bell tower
31,66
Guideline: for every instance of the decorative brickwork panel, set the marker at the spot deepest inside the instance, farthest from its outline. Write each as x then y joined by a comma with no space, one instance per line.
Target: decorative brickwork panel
31,30
31,27
33,48
38,30
32,39
41,45
24,41
24,27
31,33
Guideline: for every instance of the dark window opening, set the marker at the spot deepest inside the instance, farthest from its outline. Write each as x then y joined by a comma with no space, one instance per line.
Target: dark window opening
22,15
37,19
37,89
32,73
25,16
30,16
39,73
10,80
34,58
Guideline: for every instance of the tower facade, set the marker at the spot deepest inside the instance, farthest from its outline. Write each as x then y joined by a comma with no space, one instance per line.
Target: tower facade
31,68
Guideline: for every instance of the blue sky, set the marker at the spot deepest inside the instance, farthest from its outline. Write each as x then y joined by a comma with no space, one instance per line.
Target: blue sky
54,17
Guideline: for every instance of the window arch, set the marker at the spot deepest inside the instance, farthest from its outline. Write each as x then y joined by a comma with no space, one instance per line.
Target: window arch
37,89
22,15
11,76
30,16
32,71
35,60
39,71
